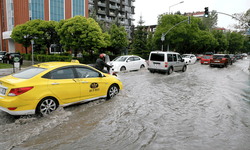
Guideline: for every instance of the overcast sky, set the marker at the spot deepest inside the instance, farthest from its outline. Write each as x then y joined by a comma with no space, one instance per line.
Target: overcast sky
150,9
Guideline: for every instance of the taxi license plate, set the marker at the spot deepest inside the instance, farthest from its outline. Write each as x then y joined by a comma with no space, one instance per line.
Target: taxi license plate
216,61
205,62
2,91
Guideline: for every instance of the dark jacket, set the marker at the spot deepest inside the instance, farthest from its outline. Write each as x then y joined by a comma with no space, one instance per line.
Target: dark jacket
100,64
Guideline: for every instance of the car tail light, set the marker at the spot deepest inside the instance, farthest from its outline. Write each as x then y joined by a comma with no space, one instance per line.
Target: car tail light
223,58
18,91
9,57
12,108
166,64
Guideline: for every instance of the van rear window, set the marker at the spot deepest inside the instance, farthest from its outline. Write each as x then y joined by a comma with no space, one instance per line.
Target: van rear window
157,57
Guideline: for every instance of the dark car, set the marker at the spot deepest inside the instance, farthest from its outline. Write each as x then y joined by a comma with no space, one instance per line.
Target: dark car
2,53
199,56
221,60
209,53
238,56
10,58
233,58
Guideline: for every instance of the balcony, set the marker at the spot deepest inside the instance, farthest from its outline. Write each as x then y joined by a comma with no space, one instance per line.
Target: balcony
113,1
102,18
112,14
91,7
112,6
126,22
101,4
101,12
121,16
125,3
132,5
91,1
128,9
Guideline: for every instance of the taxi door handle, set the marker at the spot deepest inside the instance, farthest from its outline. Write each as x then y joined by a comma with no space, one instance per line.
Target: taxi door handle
84,81
55,83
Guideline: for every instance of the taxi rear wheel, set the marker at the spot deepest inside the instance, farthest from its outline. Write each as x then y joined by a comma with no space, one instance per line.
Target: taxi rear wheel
46,106
112,91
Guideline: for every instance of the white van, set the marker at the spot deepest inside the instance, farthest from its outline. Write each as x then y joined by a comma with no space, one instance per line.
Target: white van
166,62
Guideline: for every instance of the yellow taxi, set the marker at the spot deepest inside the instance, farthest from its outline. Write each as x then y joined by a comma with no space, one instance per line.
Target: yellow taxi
41,88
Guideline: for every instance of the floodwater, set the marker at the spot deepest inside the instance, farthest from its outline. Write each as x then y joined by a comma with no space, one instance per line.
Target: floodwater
203,108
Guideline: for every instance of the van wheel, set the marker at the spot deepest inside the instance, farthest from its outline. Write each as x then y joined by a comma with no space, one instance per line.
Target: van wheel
184,68
170,70
122,68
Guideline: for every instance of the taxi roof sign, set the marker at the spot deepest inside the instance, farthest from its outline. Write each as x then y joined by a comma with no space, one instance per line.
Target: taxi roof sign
75,61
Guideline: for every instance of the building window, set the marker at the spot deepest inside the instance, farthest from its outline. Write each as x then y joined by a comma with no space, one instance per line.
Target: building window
78,7
10,17
36,9
57,10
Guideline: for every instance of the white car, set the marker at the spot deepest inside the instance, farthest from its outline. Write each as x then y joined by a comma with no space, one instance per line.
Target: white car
189,58
127,62
244,54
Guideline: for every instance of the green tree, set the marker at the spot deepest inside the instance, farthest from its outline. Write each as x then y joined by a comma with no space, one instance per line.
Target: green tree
235,40
118,39
150,42
211,21
244,18
221,39
139,45
49,35
205,42
80,33
24,33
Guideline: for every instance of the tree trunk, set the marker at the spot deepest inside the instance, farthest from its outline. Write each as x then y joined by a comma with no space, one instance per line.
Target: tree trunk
26,50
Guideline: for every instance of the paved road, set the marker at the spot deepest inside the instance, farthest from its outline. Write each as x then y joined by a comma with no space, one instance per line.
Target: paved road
203,108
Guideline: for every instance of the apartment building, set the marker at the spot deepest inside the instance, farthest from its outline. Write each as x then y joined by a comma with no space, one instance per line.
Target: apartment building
108,10
15,12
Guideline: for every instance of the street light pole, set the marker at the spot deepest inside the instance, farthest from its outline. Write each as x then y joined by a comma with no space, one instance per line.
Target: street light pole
174,5
169,14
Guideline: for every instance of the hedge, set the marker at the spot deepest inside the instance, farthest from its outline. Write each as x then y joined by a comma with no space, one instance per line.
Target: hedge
86,59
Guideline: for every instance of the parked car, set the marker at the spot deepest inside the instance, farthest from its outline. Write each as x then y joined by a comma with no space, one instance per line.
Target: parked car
10,58
2,53
233,58
238,56
221,60
189,58
199,56
165,62
209,53
42,88
244,54
128,62
206,59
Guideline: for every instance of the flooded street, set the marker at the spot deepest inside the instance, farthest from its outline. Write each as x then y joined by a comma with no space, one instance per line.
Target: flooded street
202,108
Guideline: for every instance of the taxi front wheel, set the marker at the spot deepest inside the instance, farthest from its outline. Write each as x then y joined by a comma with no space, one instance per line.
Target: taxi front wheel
46,106
112,91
